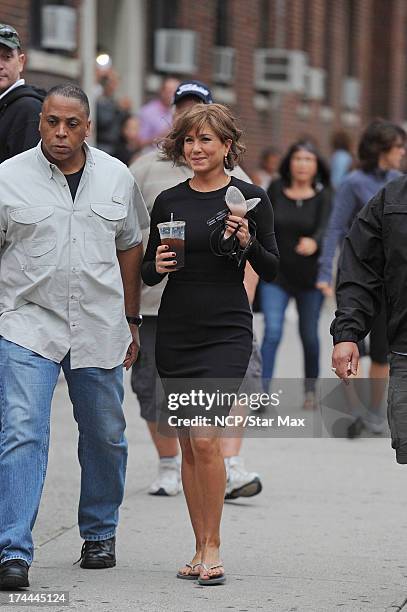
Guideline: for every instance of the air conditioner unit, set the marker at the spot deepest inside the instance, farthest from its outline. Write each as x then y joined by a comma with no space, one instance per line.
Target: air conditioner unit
279,70
58,27
315,83
175,50
351,93
223,64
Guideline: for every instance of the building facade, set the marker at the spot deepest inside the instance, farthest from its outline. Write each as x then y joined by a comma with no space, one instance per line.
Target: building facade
288,68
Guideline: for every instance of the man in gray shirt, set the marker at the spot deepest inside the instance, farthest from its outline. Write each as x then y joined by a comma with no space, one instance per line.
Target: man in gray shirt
70,256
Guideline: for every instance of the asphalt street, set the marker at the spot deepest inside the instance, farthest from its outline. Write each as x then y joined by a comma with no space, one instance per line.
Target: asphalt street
328,532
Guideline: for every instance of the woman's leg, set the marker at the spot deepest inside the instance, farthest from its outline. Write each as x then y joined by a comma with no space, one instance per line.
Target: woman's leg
273,300
211,479
309,304
193,496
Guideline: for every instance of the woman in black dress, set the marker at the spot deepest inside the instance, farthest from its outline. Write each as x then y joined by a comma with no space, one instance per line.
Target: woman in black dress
204,333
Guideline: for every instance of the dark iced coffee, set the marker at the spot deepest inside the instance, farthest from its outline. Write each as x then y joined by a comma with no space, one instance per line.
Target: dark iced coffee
177,246
172,234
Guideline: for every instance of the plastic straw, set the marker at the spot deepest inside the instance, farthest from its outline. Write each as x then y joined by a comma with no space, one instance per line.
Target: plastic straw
171,227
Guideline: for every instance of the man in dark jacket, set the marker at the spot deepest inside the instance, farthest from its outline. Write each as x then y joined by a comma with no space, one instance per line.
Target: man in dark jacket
20,104
375,256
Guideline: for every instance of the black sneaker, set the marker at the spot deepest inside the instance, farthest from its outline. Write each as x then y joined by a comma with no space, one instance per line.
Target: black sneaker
355,429
98,555
14,575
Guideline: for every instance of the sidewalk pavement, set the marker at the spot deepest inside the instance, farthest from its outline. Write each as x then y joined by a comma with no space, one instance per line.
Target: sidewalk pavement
328,532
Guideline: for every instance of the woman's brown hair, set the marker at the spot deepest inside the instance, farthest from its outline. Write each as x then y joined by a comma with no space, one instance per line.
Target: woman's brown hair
218,117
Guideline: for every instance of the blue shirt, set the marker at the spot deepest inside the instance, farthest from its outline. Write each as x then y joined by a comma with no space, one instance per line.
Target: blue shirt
341,163
355,191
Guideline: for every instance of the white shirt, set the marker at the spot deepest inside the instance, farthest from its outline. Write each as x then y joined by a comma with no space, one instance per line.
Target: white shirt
60,281
16,84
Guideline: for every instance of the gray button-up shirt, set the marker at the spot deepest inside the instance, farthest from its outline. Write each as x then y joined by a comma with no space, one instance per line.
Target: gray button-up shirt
60,281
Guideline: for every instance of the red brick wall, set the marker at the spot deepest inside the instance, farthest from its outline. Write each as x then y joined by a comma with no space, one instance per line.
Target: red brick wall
200,16
379,60
366,48
283,122
294,23
380,42
16,13
257,127
398,61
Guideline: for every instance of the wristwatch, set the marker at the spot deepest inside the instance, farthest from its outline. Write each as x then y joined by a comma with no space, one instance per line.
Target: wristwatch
135,320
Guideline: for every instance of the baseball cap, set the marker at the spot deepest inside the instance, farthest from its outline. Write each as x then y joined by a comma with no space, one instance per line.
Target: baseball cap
9,36
193,88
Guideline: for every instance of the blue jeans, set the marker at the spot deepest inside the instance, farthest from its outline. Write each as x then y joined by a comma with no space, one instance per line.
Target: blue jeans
27,383
274,301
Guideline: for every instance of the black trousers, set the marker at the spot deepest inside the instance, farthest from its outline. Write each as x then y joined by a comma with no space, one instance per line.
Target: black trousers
397,405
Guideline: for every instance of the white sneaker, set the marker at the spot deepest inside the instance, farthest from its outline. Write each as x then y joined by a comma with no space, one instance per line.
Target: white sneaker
240,482
168,481
375,423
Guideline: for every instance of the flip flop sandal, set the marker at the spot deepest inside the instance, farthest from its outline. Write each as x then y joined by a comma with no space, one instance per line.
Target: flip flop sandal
212,581
189,576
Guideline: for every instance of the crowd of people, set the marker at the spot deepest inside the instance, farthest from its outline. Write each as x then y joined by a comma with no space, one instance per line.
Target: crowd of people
74,224
123,133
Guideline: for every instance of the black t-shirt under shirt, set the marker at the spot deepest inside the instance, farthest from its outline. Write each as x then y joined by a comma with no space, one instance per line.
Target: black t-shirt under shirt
73,181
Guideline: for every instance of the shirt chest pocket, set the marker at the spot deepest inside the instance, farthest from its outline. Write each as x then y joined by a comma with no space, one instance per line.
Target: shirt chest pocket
395,224
108,219
33,230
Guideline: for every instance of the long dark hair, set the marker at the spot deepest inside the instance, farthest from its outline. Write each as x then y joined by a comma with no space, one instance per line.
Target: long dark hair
379,137
321,178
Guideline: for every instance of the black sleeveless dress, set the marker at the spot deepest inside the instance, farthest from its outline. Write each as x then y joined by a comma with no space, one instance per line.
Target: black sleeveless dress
204,330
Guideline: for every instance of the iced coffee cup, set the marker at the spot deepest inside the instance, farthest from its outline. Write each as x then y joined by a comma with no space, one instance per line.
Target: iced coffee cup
172,233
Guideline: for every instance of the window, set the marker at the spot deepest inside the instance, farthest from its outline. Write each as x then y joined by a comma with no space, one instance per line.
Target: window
160,14
307,27
223,24
223,53
36,22
163,13
352,32
328,44
264,25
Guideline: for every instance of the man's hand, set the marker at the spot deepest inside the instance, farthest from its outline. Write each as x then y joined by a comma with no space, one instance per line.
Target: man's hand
345,360
326,288
132,351
130,264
